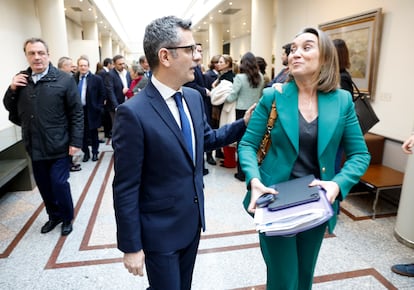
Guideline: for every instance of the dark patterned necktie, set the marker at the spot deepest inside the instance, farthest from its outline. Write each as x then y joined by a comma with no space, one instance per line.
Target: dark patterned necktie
185,123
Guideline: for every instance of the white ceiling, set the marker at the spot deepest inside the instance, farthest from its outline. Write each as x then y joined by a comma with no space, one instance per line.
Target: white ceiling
126,19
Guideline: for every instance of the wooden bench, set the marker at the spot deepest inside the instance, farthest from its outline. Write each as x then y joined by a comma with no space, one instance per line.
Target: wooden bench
15,170
379,177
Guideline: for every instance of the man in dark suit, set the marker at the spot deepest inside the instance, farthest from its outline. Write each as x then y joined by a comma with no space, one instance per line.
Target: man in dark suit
199,84
92,93
118,83
108,64
158,182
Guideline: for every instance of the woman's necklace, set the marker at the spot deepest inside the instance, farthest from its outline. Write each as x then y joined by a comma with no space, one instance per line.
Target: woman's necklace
307,109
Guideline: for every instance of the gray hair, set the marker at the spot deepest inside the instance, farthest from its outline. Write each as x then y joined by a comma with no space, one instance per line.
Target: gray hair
34,40
162,32
137,68
62,61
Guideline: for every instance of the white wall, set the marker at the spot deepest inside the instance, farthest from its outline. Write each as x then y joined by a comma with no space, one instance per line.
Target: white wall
73,30
239,46
85,47
18,22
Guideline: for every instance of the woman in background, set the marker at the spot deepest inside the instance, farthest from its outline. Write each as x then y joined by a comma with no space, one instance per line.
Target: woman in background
247,89
345,83
137,73
344,65
221,89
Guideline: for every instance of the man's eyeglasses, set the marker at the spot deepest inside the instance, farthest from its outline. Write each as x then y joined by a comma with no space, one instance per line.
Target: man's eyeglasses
187,47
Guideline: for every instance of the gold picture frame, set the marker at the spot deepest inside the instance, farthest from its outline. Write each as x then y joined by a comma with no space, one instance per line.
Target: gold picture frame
362,33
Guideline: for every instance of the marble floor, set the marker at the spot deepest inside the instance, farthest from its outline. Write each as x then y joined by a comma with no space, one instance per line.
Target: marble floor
357,256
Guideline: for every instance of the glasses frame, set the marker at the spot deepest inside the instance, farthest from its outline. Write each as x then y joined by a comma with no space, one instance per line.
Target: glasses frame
192,46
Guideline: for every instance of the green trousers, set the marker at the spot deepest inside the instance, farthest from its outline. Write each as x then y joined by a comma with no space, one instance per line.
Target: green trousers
291,261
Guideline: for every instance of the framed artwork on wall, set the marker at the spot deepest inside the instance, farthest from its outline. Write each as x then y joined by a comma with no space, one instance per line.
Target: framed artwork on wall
362,34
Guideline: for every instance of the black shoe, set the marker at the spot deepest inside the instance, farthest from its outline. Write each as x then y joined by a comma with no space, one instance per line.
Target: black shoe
49,225
75,167
94,157
219,154
85,158
210,160
66,228
240,177
205,171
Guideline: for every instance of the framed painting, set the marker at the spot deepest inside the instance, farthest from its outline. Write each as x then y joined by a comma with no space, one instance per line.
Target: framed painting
361,33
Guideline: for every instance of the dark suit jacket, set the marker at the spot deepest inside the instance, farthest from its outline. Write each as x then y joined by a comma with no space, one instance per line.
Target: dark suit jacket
158,190
115,87
209,77
199,84
95,96
105,76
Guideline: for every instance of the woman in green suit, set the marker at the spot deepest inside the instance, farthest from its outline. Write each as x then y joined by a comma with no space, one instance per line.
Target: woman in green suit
314,117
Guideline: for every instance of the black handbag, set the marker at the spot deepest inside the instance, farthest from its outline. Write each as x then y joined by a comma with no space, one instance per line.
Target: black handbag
366,115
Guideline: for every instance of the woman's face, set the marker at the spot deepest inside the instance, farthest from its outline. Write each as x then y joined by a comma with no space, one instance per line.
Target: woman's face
222,64
304,56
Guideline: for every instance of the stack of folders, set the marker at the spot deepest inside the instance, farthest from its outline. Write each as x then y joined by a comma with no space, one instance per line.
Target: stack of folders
297,208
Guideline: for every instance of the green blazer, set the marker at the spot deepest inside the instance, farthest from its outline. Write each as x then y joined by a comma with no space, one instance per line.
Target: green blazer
337,124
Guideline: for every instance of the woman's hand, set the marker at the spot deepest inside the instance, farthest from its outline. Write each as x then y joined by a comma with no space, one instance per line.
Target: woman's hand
331,188
257,189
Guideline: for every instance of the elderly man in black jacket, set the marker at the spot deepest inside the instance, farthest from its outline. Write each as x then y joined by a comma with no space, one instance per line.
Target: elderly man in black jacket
45,102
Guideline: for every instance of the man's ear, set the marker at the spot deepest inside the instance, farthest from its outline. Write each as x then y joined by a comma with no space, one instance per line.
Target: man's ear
164,57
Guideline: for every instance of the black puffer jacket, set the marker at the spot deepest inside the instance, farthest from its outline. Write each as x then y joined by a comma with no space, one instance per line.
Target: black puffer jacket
49,112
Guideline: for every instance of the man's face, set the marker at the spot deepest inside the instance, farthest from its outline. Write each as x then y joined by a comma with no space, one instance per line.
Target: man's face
37,56
74,68
120,64
145,65
199,49
83,66
185,59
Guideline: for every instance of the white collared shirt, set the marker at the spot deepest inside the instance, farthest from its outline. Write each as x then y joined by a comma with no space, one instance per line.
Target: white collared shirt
122,74
37,76
167,93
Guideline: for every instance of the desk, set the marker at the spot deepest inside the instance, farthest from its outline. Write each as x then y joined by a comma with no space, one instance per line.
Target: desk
379,177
